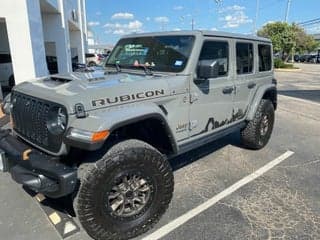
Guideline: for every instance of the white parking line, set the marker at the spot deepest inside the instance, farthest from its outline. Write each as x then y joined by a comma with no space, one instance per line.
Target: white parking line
161,232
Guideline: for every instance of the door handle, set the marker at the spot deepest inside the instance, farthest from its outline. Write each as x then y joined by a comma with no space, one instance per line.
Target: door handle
251,85
227,90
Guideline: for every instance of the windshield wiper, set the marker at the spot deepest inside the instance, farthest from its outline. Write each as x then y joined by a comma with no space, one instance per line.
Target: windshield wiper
147,69
116,65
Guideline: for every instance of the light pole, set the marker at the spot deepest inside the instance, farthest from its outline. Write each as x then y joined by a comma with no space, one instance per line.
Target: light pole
257,15
287,10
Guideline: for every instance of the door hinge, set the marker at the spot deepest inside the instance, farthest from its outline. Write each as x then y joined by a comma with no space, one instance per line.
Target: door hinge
193,97
193,124
234,89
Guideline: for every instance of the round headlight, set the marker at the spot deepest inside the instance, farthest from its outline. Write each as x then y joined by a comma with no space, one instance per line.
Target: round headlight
57,120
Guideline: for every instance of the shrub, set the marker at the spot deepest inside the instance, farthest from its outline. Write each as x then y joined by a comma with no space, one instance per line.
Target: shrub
278,63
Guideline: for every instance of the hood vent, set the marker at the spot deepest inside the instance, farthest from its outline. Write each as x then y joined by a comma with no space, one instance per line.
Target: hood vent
58,80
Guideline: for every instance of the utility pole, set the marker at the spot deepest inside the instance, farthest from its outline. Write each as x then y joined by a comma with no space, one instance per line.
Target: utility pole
192,24
257,15
287,10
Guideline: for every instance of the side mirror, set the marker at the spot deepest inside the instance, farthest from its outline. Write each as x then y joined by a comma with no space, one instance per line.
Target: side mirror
208,69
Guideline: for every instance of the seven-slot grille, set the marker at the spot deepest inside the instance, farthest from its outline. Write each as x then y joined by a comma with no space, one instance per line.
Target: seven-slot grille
29,116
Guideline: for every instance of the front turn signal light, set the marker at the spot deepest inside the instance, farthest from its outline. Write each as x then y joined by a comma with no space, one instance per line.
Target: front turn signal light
100,136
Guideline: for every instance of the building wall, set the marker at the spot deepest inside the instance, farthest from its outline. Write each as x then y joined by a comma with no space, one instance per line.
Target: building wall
33,30
24,41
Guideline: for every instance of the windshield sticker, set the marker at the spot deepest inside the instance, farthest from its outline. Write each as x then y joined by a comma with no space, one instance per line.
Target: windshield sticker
178,63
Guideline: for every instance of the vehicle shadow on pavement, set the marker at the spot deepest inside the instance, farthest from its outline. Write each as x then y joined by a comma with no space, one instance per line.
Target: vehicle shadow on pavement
64,206
198,153
312,95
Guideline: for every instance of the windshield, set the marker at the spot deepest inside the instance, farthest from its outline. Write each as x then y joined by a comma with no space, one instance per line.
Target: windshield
161,53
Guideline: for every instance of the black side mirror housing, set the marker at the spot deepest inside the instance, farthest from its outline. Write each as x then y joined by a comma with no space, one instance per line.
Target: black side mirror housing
208,69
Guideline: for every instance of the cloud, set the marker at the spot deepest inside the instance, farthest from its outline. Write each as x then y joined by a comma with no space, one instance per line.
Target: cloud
148,18
268,22
122,15
313,29
178,8
176,29
121,29
161,19
98,13
93,24
214,29
232,8
234,16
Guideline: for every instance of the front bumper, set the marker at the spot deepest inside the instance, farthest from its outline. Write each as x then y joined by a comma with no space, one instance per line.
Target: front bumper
36,170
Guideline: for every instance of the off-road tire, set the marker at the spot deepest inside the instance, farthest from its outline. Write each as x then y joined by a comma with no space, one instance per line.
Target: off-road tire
251,136
129,156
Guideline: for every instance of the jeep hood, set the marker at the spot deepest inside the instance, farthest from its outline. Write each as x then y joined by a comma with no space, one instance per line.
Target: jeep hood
95,90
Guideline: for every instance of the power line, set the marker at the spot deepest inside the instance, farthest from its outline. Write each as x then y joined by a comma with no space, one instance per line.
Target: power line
309,22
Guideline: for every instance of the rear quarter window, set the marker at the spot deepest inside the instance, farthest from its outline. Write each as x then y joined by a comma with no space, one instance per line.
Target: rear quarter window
265,61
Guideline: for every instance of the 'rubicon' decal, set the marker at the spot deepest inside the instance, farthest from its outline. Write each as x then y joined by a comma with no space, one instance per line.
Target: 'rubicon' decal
127,98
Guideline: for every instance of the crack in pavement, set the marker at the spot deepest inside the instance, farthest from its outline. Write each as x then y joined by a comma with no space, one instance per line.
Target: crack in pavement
301,165
276,212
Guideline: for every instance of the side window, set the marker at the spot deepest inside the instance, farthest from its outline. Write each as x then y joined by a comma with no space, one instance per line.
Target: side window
219,52
265,63
244,58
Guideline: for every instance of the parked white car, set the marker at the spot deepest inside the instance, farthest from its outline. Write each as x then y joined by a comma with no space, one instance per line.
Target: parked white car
93,59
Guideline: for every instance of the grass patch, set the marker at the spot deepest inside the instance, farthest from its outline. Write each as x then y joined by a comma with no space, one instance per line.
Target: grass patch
278,63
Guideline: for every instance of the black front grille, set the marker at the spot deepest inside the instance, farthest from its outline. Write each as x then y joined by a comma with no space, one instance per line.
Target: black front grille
29,116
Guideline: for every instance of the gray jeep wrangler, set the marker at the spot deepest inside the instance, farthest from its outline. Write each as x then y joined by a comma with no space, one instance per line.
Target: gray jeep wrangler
105,138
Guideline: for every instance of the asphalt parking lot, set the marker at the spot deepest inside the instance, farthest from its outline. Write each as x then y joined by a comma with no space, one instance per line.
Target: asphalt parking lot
282,203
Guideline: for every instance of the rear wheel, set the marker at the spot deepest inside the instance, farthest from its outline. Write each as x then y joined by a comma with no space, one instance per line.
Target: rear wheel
126,192
258,131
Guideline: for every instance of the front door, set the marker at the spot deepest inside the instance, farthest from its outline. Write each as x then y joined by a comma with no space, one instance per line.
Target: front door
211,100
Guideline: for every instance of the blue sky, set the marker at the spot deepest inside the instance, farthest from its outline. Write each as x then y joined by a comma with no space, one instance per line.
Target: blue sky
110,19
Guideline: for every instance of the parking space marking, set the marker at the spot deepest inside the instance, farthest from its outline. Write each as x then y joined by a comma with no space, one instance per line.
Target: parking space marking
166,229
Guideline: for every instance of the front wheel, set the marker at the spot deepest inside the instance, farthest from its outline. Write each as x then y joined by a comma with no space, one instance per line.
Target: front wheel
126,192
258,131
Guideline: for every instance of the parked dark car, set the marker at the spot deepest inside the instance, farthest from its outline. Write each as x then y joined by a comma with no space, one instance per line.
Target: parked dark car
296,58
52,64
303,58
313,59
6,71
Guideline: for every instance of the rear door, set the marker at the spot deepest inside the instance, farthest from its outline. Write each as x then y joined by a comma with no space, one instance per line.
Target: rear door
245,78
254,69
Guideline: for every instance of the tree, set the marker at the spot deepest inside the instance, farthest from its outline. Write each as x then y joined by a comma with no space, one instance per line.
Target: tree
288,38
304,42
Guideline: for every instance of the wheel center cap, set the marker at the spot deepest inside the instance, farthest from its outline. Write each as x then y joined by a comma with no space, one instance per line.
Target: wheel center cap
129,194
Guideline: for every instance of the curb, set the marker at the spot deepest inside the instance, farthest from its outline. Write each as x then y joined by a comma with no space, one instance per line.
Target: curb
287,70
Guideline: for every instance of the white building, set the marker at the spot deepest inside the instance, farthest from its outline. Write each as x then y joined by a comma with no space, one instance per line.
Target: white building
30,30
